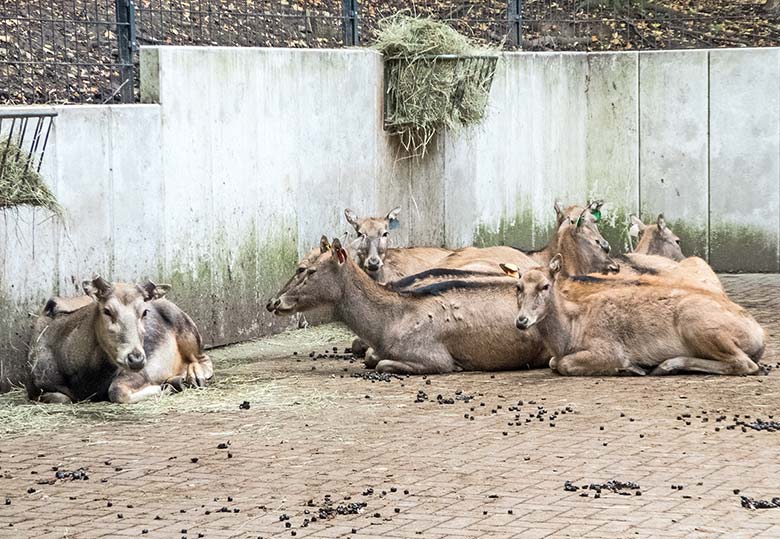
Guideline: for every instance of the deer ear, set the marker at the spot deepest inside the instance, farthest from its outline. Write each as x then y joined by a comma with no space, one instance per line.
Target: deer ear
392,217
341,254
352,219
511,270
324,244
560,214
97,288
636,227
154,291
556,263
661,222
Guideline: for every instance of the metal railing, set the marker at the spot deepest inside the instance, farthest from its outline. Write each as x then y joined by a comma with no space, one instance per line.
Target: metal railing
85,51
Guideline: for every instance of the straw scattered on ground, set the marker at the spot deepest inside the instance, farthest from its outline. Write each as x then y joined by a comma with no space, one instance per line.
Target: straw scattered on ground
425,93
235,381
20,183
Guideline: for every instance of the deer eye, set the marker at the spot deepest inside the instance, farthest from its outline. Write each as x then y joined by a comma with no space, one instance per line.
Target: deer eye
311,270
385,234
301,269
107,312
546,287
143,314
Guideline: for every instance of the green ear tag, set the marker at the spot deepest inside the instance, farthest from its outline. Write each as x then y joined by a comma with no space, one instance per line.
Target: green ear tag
579,221
596,214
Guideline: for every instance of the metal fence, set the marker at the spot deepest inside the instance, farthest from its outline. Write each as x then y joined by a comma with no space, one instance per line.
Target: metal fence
85,51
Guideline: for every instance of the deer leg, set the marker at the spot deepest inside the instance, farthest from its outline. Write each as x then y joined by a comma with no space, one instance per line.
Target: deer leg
55,397
586,363
371,359
175,384
129,388
198,373
426,365
710,366
359,347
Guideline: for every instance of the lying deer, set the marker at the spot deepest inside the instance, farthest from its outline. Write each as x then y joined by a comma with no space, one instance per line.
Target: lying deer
576,234
657,239
634,326
121,345
436,329
372,252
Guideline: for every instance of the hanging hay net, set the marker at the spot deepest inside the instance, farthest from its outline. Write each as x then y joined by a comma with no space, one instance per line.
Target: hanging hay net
435,78
20,182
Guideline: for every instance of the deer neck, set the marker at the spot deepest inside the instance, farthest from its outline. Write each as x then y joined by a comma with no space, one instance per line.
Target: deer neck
367,307
558,325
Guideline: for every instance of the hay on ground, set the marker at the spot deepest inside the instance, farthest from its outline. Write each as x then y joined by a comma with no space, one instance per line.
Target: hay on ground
236,379
435,78
20,182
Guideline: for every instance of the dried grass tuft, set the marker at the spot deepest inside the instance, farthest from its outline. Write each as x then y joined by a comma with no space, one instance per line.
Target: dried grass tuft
20,183
436,78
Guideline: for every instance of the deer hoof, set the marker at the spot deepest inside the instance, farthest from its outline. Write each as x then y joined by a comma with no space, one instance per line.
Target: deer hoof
554,364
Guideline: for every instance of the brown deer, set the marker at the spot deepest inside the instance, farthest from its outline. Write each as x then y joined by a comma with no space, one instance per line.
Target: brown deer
122,346
636,325
657,239
373,253
437,329
576,235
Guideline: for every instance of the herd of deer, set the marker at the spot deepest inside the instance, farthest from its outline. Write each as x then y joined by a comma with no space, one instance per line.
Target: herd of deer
569,306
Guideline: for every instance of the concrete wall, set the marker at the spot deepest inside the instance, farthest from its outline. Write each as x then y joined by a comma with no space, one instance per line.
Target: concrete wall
692,134
242,158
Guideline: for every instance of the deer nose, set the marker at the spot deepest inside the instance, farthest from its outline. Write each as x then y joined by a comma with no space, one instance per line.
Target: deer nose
604,245
136,360
272,305
373,263
521,322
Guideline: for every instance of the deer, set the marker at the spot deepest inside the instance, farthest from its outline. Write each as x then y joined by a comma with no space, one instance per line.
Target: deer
656,239
576,234
635,326
439,328
123,345
383,263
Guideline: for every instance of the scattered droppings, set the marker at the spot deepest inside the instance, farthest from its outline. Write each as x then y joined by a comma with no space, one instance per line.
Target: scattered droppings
750,503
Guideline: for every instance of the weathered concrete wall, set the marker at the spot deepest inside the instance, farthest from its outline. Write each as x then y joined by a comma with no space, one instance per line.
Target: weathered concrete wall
692,134
242,158
104,165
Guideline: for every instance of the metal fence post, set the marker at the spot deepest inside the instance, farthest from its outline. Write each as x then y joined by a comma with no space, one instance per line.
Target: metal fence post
515,22
126,41
350,16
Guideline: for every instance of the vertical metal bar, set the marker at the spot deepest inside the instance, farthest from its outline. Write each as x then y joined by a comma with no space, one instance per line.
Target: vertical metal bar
124,12
45,142
34,143
22,133
350,17
515,22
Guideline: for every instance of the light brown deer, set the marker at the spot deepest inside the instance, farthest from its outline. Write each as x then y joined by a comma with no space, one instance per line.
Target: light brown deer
440,328
122,346
576,235
636,325
657,239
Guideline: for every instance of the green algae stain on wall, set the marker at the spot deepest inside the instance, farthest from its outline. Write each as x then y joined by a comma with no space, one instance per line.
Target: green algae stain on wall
225,290
517,231
742,248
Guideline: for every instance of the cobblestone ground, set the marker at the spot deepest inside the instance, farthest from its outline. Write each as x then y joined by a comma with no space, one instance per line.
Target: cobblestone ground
480,467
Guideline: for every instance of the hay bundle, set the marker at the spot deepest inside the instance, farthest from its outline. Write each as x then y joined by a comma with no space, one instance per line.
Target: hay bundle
435,78
20,183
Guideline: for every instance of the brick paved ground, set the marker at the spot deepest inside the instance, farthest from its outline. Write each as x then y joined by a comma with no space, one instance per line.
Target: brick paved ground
434,471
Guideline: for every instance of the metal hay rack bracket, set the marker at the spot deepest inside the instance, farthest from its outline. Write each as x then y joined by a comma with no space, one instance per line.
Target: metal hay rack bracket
29,130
